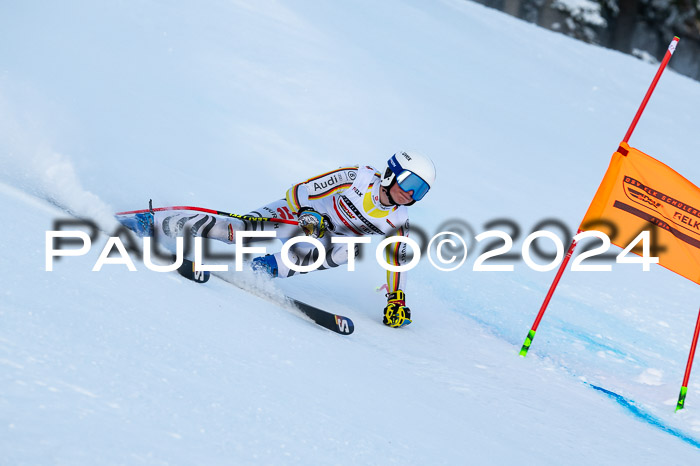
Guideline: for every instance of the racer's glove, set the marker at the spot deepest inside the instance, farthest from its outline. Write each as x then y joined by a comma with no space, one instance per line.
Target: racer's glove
396,314
313,223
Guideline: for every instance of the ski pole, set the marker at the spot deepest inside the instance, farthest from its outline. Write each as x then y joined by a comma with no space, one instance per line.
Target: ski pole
257,219
250,218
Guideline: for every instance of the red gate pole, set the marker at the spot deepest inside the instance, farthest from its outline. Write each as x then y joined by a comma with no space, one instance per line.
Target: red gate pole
684,387
652,86
662,67
560,272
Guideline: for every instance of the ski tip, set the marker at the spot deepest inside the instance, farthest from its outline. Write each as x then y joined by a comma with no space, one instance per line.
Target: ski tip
333,322
187,270
345,326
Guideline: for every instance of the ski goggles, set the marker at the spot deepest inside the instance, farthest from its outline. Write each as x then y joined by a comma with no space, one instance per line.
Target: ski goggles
409,181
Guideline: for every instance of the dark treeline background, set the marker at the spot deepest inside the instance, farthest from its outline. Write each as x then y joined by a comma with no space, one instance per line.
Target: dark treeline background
640,27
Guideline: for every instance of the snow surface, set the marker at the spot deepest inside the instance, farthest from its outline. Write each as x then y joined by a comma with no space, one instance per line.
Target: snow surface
104,105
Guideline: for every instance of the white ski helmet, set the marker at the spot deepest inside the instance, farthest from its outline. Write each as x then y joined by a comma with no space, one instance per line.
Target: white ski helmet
412,171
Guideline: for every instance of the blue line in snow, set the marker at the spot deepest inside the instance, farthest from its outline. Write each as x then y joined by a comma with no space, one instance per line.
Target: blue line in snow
591,341
638,412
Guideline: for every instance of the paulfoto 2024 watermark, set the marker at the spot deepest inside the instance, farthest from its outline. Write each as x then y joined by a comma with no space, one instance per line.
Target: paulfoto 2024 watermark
446,250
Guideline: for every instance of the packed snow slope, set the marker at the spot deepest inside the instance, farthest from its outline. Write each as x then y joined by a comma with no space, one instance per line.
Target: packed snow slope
224,105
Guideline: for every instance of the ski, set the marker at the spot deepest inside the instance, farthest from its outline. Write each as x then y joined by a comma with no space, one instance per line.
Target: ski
333,322
141,223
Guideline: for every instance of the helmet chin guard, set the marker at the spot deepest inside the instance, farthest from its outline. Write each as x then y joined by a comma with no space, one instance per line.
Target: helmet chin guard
387,190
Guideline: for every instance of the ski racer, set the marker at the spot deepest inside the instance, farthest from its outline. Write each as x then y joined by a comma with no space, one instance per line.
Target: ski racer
350,201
